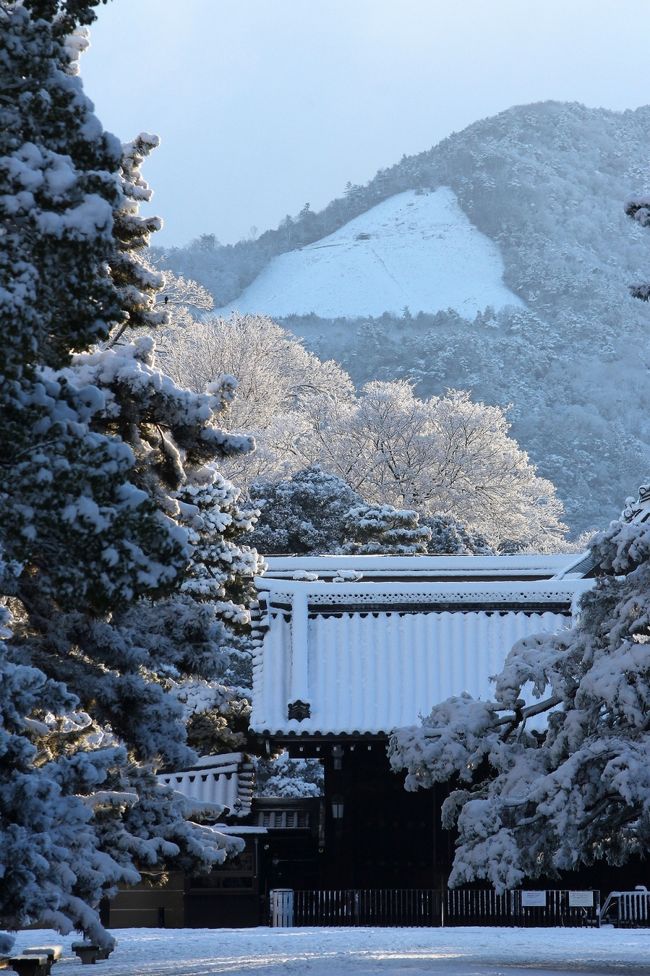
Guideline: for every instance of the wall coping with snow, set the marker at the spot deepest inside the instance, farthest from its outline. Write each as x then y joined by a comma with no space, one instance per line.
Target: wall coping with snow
301,596
521,565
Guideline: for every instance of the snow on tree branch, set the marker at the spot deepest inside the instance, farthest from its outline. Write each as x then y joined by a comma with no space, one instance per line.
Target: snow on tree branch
121,570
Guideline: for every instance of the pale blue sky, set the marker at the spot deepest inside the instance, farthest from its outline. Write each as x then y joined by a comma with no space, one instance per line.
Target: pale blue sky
263,105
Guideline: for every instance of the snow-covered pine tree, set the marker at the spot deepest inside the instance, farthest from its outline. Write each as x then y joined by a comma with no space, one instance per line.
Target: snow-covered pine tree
289,777
51,861
214,603
373,529
449,537
96,446
304,514
537,800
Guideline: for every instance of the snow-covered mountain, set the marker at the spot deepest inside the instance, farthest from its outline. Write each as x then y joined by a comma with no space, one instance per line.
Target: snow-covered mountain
537,233
416,249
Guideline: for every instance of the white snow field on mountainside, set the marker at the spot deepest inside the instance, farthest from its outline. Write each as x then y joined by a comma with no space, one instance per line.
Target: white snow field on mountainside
415,249
363,952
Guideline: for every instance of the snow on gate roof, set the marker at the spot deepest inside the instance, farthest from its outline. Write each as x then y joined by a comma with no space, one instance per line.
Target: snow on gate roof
226,780
349,656
520,566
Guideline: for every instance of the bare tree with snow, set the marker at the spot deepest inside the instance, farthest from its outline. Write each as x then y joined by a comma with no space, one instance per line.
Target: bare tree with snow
277,378
446,455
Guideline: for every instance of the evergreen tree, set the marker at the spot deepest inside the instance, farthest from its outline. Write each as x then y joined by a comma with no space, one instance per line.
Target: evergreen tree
304,514
98,518
449,537
372,529
639,210
214,602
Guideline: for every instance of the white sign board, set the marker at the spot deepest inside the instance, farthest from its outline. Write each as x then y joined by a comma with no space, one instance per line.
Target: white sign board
581,899
533,899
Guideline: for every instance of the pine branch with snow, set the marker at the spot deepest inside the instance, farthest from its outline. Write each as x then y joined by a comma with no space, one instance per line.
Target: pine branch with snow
373,529
283,776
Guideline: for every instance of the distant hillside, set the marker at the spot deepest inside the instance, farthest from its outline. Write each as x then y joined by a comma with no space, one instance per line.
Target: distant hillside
543,189
416,250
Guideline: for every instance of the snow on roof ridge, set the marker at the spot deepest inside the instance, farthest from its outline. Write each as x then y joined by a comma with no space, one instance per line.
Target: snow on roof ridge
333,561
426,568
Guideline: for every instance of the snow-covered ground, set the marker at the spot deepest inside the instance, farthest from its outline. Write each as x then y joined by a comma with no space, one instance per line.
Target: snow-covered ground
415,250
364,952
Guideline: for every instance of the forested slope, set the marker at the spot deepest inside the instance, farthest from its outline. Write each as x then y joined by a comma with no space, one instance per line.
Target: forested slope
547,183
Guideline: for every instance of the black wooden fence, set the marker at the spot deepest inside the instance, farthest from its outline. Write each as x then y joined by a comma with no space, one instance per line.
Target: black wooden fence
427,907
550,907
369,906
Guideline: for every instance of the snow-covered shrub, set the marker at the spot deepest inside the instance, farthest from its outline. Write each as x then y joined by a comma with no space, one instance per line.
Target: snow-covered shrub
448,536
314,512
304,514
371,529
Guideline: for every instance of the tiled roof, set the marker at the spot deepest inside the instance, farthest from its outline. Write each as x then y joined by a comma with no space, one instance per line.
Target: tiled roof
226,780
367,657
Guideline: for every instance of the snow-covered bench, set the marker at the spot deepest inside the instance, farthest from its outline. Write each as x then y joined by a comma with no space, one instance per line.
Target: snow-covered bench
36,961
35,964
53,953
89,952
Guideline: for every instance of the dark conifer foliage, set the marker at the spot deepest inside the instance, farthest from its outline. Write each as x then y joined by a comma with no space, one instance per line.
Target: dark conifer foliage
106,471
